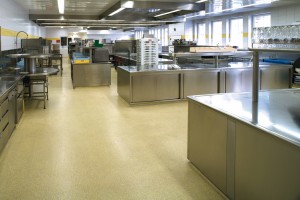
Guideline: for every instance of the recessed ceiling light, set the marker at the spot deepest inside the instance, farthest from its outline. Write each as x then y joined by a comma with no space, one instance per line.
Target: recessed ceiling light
61,6
115,12
166,13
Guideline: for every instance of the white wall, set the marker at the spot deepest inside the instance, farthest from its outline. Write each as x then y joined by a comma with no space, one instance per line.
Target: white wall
13,18
110,34
56,33
176,29
285,16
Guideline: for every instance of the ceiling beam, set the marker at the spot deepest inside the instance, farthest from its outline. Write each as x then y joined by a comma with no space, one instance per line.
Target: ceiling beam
35,17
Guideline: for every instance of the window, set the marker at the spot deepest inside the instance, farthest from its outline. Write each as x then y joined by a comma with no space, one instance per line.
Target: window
158,34
139,34
166,37
217,33
201,34
261,21
236,32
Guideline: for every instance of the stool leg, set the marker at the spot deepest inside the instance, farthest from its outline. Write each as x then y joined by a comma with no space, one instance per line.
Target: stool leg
47,89
44,95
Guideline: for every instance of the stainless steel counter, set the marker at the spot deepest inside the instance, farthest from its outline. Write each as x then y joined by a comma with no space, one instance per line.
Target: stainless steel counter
7,83
42,71
249,150
277,112
93,74
193,79
9,86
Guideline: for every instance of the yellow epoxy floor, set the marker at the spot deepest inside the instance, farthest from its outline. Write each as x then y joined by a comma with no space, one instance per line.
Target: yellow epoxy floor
90,144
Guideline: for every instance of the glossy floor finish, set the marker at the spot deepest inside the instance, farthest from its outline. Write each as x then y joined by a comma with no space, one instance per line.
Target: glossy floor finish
90,144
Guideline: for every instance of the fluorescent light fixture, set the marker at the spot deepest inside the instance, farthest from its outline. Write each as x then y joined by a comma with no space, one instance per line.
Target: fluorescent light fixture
166,13
116,11
128,4
61,27
61,6
202,13
201,1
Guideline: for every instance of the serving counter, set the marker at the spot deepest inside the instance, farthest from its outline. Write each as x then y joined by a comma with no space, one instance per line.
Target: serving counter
249,150
174,82
92,74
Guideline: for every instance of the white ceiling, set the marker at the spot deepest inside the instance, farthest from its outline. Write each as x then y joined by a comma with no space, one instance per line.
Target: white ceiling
89,7
79,7
45,12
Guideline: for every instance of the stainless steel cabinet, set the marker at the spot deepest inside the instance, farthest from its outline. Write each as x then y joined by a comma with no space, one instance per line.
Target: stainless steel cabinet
275,78
4,120
201,82
94,74
159,85
12,97
155,87
207,140
238,80
244,160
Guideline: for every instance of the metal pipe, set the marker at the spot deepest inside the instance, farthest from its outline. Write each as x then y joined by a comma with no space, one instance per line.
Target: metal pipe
18,35
216,61
255,80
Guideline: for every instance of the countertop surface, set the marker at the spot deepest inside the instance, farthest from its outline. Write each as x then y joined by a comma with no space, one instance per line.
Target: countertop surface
277,112
7,82
40,71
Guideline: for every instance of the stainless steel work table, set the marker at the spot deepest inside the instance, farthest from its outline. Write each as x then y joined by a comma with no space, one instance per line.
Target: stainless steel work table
42,71
249,150
138,84
92,74
9,105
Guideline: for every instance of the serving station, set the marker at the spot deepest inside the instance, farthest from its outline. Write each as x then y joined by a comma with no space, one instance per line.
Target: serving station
91,70
248,150
248,144
137,84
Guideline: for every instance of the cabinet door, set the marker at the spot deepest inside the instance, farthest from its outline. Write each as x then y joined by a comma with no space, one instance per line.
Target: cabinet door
143,88
168,87
207,140
239,80
266,167
275,78
155,87
200,82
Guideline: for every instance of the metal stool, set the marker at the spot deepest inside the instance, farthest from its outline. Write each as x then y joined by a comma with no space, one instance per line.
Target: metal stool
56,57
35,81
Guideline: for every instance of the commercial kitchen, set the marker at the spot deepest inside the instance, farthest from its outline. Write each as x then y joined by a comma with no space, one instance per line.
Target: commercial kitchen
167,99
